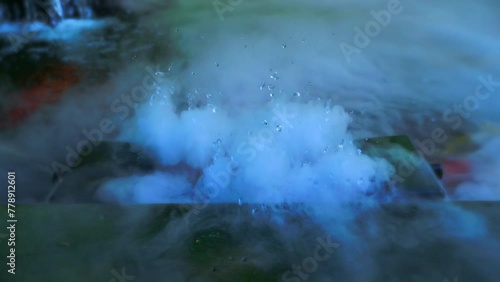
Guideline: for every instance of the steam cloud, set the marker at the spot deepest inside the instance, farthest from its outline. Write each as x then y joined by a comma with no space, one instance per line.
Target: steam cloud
262,107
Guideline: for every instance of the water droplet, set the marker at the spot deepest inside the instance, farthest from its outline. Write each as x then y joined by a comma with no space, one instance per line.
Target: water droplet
270,87
325,150
274,76
265,122
209,96
159,73
278,128
254,211
192,73
271,95
296,94
243,259
216,64
359,152
341,145
283,46
303,40
212,107
262,85
240,202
